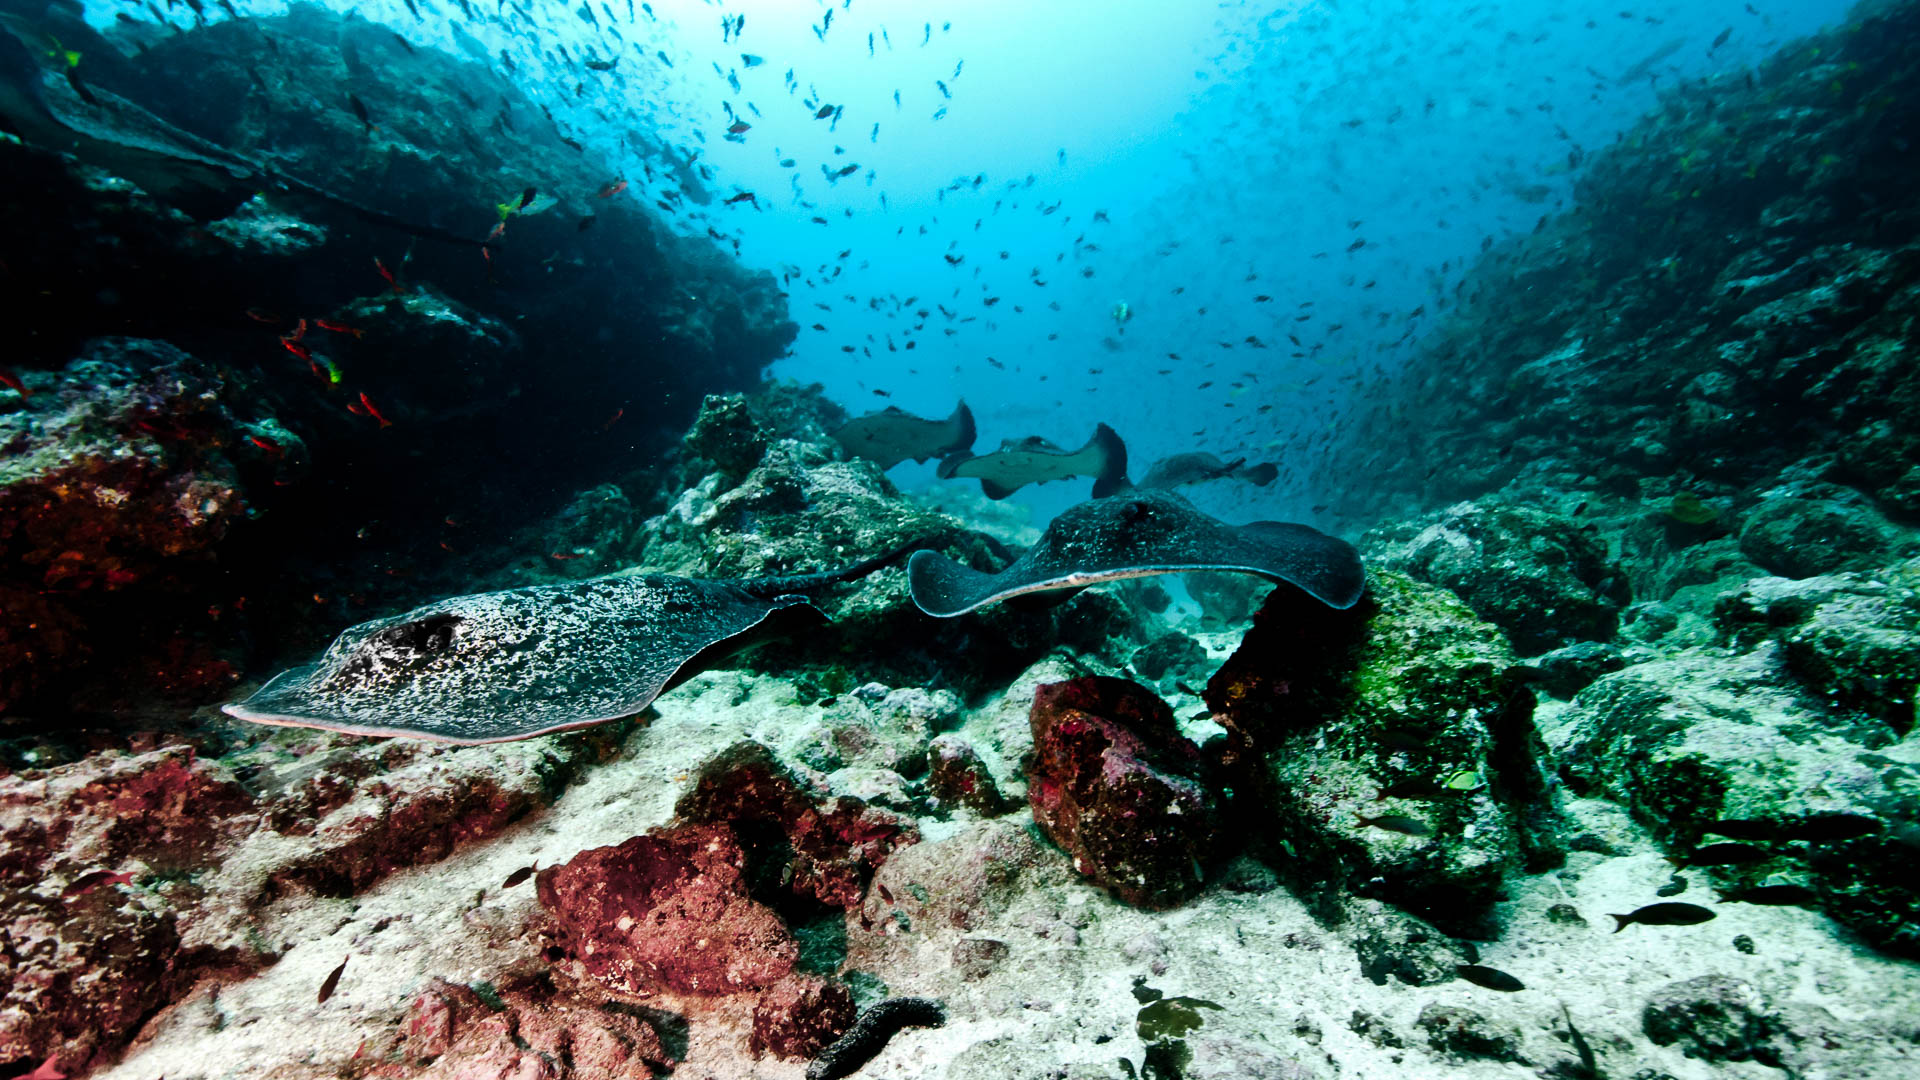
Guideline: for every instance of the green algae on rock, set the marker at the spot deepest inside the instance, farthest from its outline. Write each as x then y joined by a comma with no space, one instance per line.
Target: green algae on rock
1326,710
1539,576
1706,742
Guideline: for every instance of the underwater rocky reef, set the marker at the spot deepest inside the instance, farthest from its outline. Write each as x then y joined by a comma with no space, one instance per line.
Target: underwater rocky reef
1611,771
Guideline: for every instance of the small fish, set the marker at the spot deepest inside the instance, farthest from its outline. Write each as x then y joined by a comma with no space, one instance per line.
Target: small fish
12,382
373,412
746,197
293,346
1589,1068
93,879
1829,827
1774,895
750,60
392,282
271,447
324,369
1729,854
739,127
360,110
262,315
823,112
615,418
333,980
1491,978
603,65
339,328
1408,826
520,875
1671,913
612,189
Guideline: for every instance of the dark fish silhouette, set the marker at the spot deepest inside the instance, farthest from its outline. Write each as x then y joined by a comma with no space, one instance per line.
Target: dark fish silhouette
1199,467
893,435
1728,854
1136,535
1491,978
1671,913
332,981
1034,460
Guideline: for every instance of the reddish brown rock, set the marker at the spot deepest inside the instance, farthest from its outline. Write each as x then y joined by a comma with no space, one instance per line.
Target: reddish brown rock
799,1016
120,476
667,911
957,777
1114,783
534,1034
836,844
125,877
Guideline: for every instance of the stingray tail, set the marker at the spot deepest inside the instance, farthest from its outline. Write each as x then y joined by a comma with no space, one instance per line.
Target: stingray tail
807,583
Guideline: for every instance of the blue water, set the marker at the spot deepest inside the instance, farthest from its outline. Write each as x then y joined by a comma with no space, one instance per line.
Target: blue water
1343,159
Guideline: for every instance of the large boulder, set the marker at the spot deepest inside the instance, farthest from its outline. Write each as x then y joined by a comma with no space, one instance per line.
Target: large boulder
667,911
1734,745
1851,638
1115,784
1389,747
1539,576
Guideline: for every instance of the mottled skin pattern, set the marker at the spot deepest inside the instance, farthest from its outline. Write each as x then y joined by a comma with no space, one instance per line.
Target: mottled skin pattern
1139,534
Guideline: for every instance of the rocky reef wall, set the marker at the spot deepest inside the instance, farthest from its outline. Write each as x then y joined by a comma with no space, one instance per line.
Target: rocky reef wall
270,373
1728,309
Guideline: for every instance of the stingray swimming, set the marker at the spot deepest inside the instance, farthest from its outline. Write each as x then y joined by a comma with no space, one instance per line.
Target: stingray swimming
1034,460
1135,535
893,435
499,666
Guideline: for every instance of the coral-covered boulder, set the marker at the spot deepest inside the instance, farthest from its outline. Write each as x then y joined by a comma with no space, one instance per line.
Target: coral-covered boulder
1115,784
527,1031
1533,573
1854,638
667,910
1820,530
799,1016
831,846
956,776
119,475
1735,745
1389,747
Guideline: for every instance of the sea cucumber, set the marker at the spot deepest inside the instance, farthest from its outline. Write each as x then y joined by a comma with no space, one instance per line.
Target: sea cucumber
871,1032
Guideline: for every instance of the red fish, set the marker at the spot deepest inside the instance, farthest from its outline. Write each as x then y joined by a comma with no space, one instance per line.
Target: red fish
612,189
392,281
93,879
740,127
611,420
338,328
562,555
296,333
262,315
297,349
12,382
268,445
373,412
745,196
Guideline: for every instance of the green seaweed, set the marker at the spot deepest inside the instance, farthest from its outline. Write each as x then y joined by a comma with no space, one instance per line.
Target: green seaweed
1687,509
1171,1018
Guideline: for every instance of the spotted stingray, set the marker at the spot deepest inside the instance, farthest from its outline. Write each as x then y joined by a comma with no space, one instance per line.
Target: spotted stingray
499,666
1138,534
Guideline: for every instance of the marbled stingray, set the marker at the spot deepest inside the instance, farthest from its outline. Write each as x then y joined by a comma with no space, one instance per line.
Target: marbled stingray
498,666
1138,534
